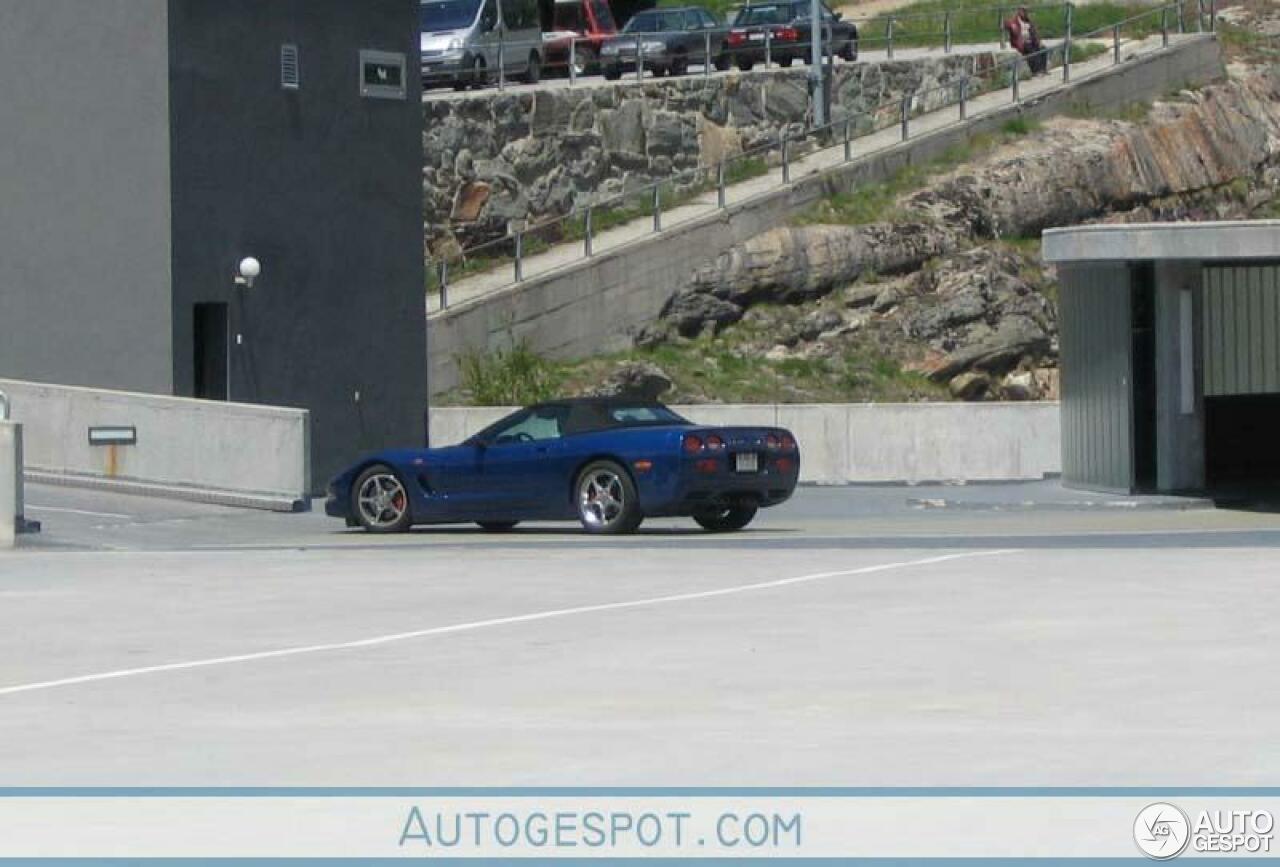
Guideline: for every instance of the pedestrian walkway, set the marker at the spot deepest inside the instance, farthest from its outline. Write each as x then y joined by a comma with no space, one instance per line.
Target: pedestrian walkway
569,255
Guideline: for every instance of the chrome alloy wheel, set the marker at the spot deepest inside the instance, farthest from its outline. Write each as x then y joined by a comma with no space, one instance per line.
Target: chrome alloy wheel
601,498
382,501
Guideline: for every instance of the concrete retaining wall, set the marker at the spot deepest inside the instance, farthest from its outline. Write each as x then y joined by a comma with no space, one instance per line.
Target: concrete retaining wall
842,443
236,454
597,305
10,481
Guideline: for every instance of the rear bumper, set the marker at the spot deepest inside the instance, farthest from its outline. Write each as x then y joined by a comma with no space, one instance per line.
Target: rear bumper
692,489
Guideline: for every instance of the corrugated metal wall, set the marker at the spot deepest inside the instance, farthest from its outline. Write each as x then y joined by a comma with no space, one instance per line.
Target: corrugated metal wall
1096,344
1241,330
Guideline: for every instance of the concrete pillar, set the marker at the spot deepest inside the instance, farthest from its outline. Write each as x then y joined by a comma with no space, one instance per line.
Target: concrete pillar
10,481
1180,458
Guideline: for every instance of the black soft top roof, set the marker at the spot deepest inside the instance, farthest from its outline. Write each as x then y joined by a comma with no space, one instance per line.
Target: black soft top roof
598,413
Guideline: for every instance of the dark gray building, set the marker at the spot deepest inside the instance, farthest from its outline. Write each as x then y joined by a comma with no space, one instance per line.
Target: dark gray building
149,146
1170,339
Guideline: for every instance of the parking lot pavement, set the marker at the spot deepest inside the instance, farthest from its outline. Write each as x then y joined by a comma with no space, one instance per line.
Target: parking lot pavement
849,639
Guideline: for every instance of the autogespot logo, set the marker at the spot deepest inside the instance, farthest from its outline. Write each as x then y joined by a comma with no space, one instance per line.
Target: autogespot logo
1162,831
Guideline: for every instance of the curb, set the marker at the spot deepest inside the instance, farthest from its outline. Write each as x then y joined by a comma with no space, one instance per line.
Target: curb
212,496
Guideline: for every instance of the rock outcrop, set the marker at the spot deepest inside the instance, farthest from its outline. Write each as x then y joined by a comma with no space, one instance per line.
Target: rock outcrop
960,307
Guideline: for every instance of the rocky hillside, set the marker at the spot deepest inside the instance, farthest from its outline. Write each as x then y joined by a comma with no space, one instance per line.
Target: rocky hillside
943,292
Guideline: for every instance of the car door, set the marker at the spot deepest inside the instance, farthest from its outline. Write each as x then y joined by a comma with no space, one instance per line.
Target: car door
487,35
521,473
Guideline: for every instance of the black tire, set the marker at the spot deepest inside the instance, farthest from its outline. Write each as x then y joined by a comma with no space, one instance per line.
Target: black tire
679,64
723,62
728,519
849,51
613,72
745,64
586,59
784,62
497,526
472,74
380,501
533,72
605,499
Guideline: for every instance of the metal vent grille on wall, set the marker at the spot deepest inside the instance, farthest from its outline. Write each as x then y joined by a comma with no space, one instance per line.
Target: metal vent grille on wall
290,74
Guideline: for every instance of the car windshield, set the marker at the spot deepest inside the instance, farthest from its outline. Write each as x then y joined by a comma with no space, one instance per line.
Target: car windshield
751,15
655,22
448,14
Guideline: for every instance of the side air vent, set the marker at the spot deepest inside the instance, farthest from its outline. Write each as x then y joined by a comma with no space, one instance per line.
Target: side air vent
290,73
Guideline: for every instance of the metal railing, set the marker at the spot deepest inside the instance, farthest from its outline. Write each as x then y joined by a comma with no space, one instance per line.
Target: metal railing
4,406
583,224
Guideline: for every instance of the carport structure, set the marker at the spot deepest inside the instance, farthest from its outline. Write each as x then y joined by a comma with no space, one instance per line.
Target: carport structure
1170,355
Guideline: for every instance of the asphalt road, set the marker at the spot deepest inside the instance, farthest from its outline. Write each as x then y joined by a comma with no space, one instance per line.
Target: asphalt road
851,637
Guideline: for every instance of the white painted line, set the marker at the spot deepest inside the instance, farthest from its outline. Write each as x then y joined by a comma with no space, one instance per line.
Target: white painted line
79,512
486,624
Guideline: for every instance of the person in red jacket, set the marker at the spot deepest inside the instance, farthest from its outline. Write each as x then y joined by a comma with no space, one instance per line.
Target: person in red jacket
1025,39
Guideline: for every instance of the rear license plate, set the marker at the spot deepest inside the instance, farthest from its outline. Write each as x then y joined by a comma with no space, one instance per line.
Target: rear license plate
756,37
746,462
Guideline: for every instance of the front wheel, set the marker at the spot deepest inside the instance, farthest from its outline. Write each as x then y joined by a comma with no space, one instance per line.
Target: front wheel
849,51
606,499
533,72
380,502
727,519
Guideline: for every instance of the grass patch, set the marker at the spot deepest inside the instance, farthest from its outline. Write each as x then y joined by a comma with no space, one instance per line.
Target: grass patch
879,202
1133,112
924,23
508,377
1246,44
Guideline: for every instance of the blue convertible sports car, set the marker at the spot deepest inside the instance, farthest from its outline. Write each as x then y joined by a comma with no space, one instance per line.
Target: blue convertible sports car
608,463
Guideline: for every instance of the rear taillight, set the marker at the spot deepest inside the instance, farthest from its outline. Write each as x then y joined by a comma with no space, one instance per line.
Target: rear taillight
786,34
772,442
736,37
714,443
788,443
692,444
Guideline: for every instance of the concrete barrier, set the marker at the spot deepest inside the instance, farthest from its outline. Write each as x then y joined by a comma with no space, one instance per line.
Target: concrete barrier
10,482
210,451
850,443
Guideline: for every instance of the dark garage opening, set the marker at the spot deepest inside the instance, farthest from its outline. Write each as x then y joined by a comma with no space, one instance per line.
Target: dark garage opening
1240,444
211,351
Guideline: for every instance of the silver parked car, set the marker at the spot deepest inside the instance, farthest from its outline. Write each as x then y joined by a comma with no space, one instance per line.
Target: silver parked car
466,42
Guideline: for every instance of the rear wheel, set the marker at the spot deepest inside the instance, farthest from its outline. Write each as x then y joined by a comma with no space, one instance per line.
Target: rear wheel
726,519
849,51
786,61
533,72
380,502
745,64
723,62
498,526
679,63
613,71
606,499
584,60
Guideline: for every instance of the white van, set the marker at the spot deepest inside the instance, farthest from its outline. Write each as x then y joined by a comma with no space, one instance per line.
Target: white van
462,41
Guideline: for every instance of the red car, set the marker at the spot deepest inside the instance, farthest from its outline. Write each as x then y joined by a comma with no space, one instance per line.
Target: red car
586,24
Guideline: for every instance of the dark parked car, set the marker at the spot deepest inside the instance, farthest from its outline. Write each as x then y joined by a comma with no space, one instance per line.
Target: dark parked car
668,41
586,25
607,462
786,27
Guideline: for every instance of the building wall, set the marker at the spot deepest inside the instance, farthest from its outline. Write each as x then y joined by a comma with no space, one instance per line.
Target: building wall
84,180
1097,411
320,184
